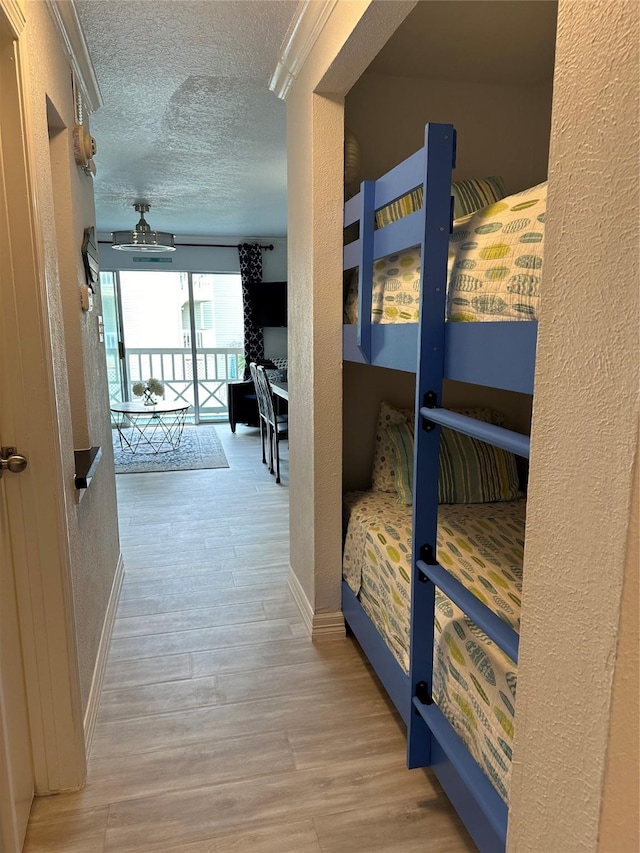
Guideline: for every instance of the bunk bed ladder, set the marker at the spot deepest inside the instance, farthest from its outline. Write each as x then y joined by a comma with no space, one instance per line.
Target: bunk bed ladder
439,154
432,740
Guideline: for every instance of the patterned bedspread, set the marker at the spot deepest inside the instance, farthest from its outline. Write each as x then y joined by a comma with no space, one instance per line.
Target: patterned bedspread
482,545
495,266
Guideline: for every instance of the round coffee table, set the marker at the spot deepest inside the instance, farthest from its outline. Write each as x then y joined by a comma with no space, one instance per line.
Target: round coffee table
150,429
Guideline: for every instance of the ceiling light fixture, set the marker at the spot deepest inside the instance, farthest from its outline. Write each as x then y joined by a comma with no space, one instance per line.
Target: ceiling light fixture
142,238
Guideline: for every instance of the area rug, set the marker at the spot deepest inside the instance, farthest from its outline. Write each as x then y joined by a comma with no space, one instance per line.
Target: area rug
199,448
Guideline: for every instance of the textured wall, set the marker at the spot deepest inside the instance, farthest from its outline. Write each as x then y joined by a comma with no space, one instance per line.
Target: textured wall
315,131
584,435
315,355
364,388
502,129
621,795
65,197
315,169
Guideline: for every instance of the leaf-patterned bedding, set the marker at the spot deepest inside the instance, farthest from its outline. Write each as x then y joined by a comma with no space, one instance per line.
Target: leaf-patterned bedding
482,545
495,266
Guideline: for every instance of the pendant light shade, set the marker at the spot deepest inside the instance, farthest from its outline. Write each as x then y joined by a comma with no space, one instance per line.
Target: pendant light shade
142,238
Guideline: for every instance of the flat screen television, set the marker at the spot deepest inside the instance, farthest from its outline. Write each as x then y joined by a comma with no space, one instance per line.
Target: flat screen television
269,301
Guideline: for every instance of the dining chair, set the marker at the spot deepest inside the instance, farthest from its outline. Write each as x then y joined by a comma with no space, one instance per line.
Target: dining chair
263,413
277,425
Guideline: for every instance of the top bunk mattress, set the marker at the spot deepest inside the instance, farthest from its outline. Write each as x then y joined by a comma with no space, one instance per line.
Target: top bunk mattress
494,270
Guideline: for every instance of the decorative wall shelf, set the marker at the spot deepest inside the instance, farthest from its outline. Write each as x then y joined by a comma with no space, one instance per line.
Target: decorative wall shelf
86,463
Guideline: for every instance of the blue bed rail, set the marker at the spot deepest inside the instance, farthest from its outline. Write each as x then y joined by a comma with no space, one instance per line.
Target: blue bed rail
428,168
477,802
388,670
498,354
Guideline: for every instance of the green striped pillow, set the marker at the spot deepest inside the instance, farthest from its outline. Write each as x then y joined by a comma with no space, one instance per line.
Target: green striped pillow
471,471
401,439
468,196
474,194
401,207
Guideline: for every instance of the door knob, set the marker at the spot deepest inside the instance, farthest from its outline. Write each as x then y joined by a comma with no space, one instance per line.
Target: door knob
12,461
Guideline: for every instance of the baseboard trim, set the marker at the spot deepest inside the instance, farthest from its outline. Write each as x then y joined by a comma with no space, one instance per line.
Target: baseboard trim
93,704
320,626
328,626
301,600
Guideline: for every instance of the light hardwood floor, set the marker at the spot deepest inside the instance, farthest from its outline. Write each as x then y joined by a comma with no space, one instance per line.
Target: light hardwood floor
222,728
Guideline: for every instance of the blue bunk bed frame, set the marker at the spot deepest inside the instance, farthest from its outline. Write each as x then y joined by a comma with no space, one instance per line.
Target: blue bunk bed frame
500,355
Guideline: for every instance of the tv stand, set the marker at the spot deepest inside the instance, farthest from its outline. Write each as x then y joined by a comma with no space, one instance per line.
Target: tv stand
243,404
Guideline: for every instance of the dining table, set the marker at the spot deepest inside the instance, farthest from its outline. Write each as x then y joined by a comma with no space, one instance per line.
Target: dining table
281,389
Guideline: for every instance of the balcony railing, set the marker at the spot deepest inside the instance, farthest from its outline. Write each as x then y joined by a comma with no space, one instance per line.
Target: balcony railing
215,367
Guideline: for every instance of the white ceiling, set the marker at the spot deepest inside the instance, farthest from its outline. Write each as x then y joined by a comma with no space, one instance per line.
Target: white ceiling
188,124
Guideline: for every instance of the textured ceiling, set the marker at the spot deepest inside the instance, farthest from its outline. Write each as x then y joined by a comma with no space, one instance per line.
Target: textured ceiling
188,124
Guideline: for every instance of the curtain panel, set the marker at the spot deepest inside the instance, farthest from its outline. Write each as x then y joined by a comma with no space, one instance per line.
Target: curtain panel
251,273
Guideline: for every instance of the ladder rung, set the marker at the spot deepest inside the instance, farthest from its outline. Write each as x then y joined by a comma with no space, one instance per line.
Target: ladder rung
494,627
498,436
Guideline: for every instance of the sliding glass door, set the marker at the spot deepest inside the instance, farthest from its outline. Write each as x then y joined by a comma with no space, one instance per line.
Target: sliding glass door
184,329
113,337
152,304
216,336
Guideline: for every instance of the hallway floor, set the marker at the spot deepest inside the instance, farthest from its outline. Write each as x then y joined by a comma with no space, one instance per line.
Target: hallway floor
222,728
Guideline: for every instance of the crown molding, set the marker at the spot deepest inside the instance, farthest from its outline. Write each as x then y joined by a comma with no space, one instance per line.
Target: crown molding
65,17
13,11
304,31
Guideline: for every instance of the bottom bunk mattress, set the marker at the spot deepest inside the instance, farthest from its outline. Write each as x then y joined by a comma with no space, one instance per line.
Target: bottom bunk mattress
482,545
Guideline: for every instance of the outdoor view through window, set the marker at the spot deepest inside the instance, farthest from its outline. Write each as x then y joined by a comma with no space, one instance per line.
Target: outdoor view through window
185,329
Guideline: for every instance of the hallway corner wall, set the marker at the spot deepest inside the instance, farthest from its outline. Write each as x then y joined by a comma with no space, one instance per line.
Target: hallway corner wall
65,202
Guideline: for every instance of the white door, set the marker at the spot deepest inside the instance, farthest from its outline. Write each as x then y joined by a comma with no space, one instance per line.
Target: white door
42,748
16,764
16,767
